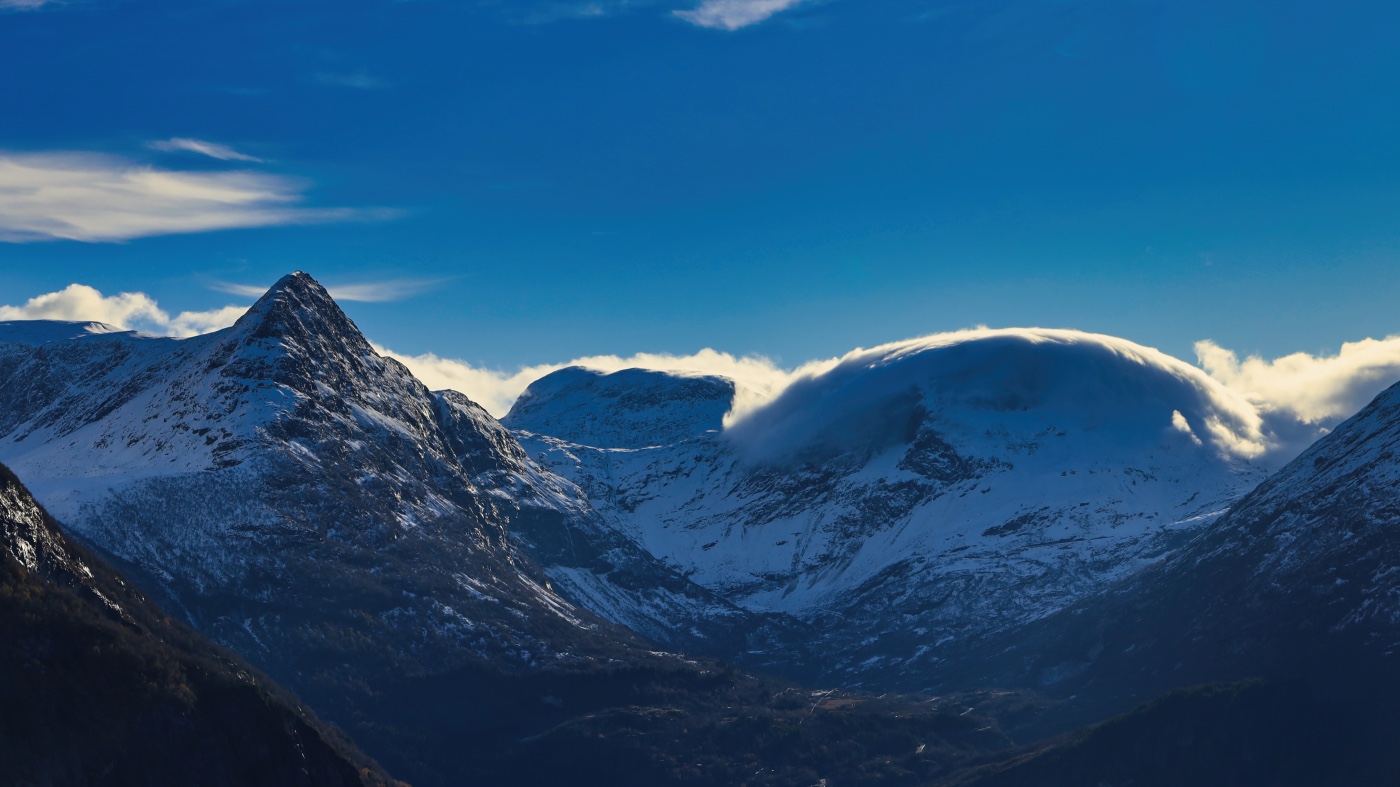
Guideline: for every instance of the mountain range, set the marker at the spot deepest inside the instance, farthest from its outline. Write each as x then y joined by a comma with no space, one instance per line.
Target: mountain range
916,496
1041,527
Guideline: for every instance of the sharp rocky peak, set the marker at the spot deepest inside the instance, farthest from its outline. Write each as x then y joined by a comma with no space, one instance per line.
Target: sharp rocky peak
297,309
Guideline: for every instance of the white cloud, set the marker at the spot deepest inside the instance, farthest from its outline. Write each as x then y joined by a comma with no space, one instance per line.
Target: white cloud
1315,390
203,148
23,5
127,310
756,379
196,323
847,403
734,14
366,292
86,197
1251,407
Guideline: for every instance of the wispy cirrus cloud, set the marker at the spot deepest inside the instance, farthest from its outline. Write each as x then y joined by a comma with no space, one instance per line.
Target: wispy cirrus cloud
734,14
211,149
99,198
22,5
365,292
359,80
128,310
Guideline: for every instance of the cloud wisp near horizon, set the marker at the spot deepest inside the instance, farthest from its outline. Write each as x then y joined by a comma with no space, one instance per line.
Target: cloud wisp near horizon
1296,397
90,197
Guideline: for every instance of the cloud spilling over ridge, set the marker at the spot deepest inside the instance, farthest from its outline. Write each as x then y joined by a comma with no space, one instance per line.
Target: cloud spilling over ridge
756,379
1106,384
127,310
734,14
94,198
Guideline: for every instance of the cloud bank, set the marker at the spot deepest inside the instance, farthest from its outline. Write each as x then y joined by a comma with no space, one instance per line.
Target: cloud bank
757,379
95,198
1316,390
211,149
734,14
1251,407
127,310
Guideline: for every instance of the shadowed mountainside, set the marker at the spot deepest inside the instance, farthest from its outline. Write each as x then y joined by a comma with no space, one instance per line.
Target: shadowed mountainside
99,686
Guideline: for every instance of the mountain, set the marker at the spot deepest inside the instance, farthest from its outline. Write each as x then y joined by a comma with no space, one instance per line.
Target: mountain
633,408
915,497
99,686
1298,581
280,483
310,504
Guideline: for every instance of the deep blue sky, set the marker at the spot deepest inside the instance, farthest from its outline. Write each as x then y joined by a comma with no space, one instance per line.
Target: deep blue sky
845,173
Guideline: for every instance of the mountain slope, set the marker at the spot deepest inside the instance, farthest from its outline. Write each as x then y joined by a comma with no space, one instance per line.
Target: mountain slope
1299,580
917,495
98,686
310,504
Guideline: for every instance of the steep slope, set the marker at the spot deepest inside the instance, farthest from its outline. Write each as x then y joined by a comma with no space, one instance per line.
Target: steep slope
99,686
310,504
1299,580
917,496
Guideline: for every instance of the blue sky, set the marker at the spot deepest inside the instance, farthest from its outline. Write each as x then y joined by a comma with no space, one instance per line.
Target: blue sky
548,180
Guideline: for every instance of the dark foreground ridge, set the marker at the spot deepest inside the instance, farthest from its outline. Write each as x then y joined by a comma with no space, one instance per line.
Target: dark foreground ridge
99,686
1256,733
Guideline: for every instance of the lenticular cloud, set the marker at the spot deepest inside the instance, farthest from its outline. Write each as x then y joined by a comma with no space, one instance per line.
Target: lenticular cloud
86,197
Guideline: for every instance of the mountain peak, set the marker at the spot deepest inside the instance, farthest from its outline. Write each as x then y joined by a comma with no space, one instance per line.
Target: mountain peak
631,408
297,306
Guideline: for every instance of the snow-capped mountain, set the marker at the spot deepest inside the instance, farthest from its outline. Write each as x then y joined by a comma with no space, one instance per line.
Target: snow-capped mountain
916,495
312,505
1301,579
246,470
